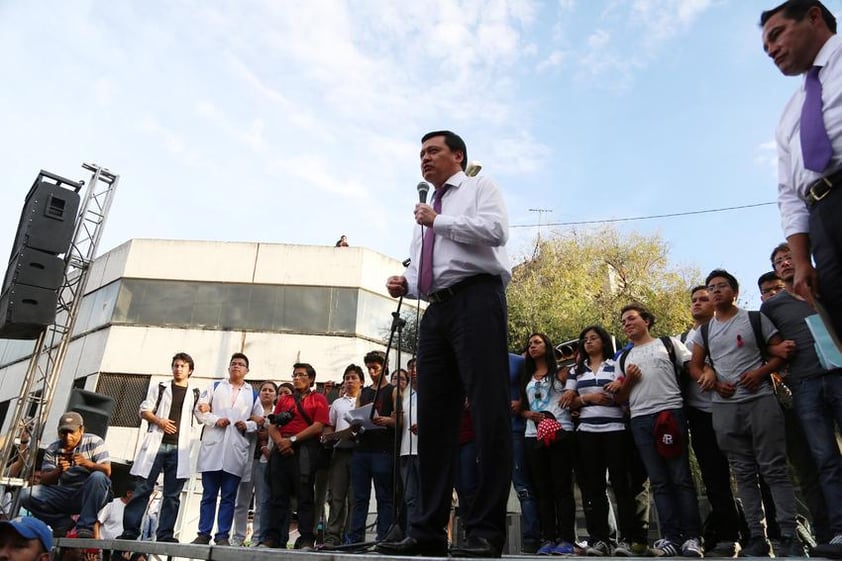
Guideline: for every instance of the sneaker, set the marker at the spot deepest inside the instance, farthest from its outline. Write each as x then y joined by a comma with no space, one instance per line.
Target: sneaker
84,533
202,539
756,547
563,548
546,549
665,548
599,549
692,548
790,547
639,549
837,540
221,541
622,550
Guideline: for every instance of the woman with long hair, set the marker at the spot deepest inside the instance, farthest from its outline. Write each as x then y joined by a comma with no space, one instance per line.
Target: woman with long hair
549,447
601,443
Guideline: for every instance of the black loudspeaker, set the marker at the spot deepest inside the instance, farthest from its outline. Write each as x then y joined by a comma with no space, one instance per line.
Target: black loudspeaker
48,218
29,294
96,410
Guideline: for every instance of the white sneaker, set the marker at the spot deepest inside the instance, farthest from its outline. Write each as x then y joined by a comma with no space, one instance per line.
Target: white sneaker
692,548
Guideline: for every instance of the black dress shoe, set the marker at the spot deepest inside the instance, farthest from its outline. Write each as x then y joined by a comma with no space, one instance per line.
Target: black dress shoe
412,547
476,546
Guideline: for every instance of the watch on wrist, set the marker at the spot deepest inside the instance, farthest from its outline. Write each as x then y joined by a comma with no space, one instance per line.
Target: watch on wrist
293,438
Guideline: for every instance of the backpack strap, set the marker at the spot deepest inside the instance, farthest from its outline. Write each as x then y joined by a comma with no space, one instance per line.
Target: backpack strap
757,328
683,336
622,360
667,341
161,388
705,332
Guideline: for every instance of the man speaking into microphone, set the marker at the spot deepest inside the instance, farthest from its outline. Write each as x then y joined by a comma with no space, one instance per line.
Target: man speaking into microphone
460,266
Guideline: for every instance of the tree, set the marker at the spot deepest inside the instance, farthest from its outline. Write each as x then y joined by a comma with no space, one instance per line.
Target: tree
580,278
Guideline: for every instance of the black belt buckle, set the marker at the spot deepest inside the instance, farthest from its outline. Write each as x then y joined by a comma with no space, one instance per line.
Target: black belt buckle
819,190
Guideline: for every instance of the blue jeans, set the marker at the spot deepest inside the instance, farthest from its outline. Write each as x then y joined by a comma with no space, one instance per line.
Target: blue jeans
167,461
818,405
366,466
670,479
529,529
212,483
55,504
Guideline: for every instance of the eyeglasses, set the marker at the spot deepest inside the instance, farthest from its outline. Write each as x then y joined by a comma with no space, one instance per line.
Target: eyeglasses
240,364
718,286
300,375
591,339
781,260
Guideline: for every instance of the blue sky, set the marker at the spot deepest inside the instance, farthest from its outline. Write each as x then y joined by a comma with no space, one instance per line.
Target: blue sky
295,122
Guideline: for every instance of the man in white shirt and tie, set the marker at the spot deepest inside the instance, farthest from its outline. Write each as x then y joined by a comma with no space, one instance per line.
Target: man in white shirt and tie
459,265
800,36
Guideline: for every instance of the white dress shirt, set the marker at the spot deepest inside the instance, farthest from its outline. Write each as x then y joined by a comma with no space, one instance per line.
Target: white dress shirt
793,178
471,234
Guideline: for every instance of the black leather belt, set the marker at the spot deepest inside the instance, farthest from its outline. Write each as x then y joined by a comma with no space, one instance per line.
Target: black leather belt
821,187
445,293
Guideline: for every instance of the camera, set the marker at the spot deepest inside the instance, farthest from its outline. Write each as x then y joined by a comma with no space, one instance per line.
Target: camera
281,418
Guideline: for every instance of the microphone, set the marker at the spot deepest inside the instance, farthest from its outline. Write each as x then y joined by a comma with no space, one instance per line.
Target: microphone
423,189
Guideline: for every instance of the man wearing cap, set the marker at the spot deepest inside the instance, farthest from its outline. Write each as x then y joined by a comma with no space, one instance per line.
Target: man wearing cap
25,539
74,479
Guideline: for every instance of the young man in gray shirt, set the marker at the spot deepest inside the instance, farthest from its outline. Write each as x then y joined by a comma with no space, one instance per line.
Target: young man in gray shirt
747,419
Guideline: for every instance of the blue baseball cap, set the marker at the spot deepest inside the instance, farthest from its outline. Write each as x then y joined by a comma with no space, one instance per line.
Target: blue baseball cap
31,528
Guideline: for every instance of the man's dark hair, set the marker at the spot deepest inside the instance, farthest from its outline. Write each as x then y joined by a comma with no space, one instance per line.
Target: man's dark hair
767,277
453,141
781,247
732,280
797,10
642,311
355,369
185,358
697,288
241,356
410,362
378,357
311,372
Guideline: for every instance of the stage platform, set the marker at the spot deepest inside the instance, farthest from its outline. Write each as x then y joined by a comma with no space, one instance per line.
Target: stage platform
175,551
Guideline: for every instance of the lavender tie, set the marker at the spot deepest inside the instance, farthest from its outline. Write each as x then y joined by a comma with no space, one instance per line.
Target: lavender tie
425,282
815,144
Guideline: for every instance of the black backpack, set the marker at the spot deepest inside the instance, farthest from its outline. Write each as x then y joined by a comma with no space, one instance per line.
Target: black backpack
667,342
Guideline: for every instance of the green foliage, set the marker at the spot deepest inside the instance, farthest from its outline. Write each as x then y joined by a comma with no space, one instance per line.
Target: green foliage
580,278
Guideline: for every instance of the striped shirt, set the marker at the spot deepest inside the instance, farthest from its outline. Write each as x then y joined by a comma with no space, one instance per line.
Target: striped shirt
596,418
91,447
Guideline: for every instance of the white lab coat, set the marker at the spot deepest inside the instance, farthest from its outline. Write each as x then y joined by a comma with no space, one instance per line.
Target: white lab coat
188,431
226,449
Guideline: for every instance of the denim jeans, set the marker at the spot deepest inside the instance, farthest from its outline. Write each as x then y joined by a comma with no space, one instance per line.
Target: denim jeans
670,479
167,461
366,466
54,504
529,529
818,404
214,482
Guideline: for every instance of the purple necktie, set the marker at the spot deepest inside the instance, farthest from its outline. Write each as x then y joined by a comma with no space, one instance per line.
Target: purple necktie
425,282
815,144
